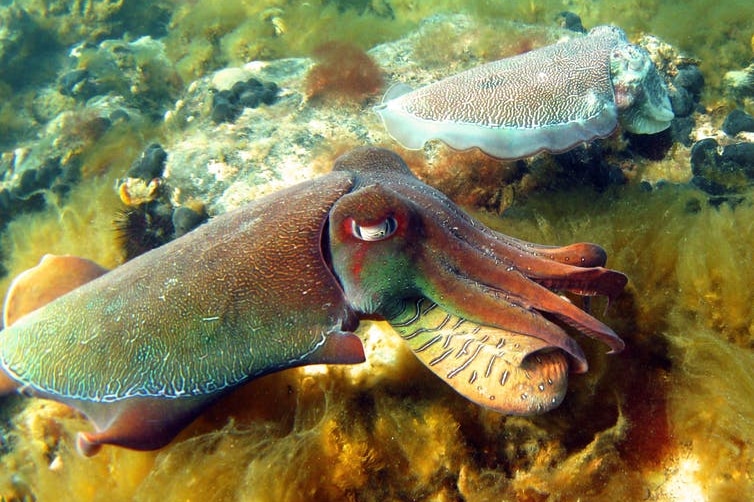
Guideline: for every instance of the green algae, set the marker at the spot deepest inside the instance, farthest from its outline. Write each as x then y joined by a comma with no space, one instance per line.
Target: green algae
696,251
206,34
59,229
90,208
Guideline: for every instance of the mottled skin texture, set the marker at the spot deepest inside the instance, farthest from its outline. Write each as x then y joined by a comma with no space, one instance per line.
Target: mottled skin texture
549,99
281,282
500,369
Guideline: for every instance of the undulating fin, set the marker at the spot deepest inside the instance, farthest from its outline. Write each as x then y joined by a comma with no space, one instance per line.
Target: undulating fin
396,90
54,276
119,423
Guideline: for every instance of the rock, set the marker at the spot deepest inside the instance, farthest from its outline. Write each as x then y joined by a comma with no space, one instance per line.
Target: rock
78,84
690,78
704,159
586,165
739,156
150,165
739,84
721,172
119,115
682,101
228,104
186,219
737,121
223,110
138,71
6,203
685,94
570,21
656,146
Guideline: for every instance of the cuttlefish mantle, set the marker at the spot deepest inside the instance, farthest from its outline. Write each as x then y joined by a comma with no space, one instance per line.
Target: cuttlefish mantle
549,99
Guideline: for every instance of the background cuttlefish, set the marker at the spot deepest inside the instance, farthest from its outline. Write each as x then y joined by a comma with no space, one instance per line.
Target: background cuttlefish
282,282
549,99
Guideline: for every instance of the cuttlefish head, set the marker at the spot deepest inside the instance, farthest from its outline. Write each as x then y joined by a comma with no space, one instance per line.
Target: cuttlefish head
395,242
640,92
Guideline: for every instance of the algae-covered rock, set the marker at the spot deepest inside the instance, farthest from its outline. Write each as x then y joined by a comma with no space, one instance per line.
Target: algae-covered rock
740,83
20,36
722,170
138,71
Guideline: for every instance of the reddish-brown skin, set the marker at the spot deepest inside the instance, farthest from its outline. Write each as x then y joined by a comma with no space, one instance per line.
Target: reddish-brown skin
281,282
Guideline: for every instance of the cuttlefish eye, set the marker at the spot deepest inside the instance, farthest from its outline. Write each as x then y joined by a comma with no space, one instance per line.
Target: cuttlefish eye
377,232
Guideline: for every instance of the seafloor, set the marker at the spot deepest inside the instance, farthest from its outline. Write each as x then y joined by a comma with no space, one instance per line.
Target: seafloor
88,86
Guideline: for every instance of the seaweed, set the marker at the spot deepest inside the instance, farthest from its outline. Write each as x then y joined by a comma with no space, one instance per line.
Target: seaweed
343,72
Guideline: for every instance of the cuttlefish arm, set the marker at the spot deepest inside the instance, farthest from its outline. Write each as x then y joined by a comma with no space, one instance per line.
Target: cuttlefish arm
549,99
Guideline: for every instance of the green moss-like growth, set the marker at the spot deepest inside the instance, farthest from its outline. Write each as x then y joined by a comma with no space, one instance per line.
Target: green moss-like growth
59,230
93,20
101,156
689,321
692,261
206,34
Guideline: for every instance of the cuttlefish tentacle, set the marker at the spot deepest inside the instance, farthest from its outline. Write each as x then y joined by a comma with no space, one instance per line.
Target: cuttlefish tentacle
479,301
581,254
486,278
575,268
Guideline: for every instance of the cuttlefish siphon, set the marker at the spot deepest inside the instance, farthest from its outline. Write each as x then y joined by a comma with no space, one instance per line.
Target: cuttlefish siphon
549,99
141,350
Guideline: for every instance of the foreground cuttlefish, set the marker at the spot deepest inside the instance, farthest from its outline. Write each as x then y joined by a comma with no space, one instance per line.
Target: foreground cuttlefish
550,99
282,282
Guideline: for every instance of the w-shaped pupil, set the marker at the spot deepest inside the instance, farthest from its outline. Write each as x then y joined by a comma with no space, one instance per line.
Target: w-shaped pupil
377,232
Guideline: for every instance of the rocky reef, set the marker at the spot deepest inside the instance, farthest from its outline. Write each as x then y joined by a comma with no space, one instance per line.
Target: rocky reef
158,115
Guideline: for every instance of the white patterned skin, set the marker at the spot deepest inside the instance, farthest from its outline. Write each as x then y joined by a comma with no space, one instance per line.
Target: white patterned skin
550,99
